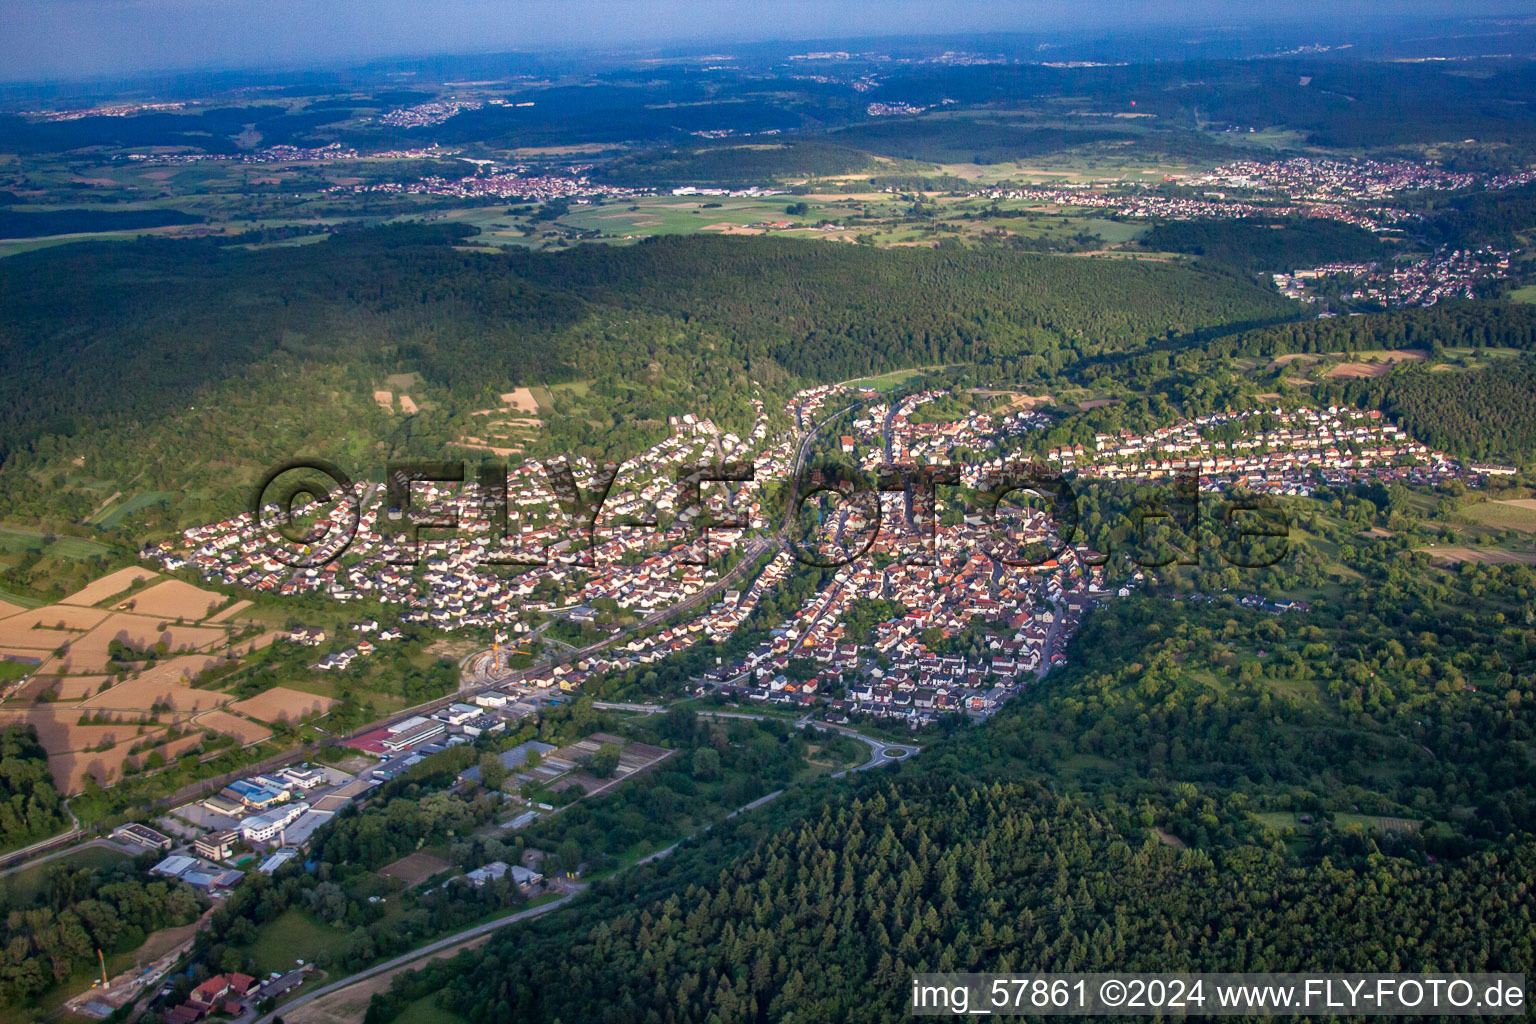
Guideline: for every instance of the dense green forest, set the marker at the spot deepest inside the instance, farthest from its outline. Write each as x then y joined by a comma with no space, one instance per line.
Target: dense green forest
968,140
1450,325
1274,246
734,166
57,931
1401,703
827,918
1501,219
1474,325
30,808
1483,413
15,224
164,321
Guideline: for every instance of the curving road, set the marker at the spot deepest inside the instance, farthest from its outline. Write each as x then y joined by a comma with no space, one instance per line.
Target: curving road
457,938
881,751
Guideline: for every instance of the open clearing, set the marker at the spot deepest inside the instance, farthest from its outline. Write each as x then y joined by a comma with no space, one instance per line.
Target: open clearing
1516,514
1018,399
1493,556
346,1006
282,704
522,400
415,868
349,1005
15,540
1380,364
113,517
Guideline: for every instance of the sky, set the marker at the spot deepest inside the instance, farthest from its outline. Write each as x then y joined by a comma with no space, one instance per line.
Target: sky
73,39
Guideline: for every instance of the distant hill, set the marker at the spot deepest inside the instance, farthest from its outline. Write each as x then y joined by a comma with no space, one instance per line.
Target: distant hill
16,224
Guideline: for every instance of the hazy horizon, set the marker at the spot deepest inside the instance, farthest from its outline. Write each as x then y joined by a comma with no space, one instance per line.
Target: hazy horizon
61,40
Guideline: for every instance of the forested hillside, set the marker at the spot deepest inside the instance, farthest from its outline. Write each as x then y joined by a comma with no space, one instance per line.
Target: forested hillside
1204,787
828,919
1483,413
1253,245
1398,703
733,165
110,334
835,311
1451,325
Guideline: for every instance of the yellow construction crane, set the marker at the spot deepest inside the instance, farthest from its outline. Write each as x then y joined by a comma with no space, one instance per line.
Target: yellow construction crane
499,655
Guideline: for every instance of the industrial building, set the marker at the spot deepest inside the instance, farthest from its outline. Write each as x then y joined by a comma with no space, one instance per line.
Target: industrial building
268,825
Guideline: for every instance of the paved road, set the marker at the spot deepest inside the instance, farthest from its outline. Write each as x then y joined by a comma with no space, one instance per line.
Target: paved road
794,473
64,851
743,809
881,751
414,955
1046,648
460,937
274,989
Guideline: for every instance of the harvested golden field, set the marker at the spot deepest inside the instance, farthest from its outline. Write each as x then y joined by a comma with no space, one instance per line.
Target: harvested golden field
48,628
255,643
174,599
27,654
242,729
231,611
70,687
105,766
166,683
522,400
282,704
6,608
1380,366
99,590
89,653
59,729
